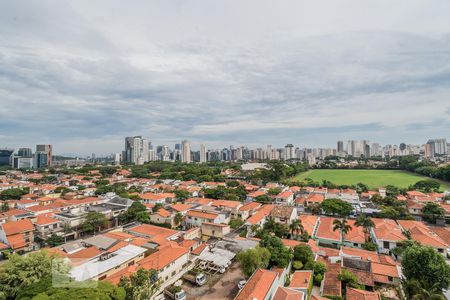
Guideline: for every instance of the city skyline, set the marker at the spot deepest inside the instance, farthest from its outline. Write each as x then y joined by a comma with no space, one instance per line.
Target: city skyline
174,72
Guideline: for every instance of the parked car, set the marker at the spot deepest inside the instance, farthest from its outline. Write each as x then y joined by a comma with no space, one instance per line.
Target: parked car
241,284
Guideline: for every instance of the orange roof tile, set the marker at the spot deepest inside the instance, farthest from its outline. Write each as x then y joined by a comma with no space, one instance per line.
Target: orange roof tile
44,220
325,229
15,227
283,293
386,270
163,257
16,241
258,285
201,214
301,279
354,294
250,206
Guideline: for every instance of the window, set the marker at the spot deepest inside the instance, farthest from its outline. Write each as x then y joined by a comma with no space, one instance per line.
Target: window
386,245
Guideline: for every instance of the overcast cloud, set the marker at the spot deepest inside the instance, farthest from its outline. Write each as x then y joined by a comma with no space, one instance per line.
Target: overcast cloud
82,75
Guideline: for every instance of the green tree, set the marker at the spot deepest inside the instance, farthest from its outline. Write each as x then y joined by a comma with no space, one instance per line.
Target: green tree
20,271
280,255
178,218
427,185
349,279
236,223
432,211
418,290
12,194
389,213
296,227
263,199
54,240
44,290
253,259
274,191
181,194
94,221
141,285
366,223
337,207
425,264
403,245
342,226
303,253
4,207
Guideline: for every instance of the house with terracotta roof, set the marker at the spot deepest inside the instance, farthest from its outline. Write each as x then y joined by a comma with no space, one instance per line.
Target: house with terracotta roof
247,210
325,235
260,217
283,293
162,198
302,281
18,235
262,285
195,217
169,260
386,234
283,214
253,195
181,208
215,230
313,199
355,294
356,236
155,235
286,197
424,235
45,226
309,223
163,216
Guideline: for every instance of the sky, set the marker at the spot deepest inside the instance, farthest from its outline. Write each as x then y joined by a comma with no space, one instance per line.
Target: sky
82,75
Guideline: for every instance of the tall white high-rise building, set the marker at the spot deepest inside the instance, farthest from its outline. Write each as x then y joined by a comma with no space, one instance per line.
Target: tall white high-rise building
289,152
185,151
202,153
136,150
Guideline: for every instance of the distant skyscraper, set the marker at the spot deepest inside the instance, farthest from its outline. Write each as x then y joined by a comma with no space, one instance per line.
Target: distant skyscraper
47,149
136,150
202,153
25,152
40,160
6,155
439,146
185,151
340,146
289,152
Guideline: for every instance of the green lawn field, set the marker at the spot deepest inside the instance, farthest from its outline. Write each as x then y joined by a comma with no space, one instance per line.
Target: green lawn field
373,178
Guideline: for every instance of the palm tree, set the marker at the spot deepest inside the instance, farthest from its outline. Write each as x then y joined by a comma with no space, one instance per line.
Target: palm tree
178,218
297,227
342,226
418,290
366,223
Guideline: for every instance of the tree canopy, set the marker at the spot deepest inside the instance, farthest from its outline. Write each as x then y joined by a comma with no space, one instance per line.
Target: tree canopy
337,207
425,264
253,259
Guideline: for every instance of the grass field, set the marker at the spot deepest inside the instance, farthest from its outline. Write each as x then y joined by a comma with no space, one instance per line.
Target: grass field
373,178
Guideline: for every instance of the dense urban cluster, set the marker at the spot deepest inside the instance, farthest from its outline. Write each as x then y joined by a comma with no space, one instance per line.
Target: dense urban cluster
222,230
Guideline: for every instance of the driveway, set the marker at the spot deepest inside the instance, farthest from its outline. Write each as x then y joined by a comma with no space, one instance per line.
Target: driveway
218,287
